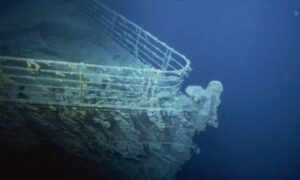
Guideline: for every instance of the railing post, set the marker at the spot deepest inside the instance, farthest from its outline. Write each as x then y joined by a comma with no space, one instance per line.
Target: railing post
136,48
167,58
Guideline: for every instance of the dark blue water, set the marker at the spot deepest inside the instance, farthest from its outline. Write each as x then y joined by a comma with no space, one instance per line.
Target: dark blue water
253,47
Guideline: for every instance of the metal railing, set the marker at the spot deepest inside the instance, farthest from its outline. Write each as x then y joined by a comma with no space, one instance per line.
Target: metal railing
140,43
50,82
73,84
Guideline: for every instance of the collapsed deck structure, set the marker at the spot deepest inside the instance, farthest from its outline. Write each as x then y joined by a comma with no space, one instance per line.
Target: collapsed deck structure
133,120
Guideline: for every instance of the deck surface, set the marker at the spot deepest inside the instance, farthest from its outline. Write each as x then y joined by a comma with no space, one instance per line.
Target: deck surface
58,32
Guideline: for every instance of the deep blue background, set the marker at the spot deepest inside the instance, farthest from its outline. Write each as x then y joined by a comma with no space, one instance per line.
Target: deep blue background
253,47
